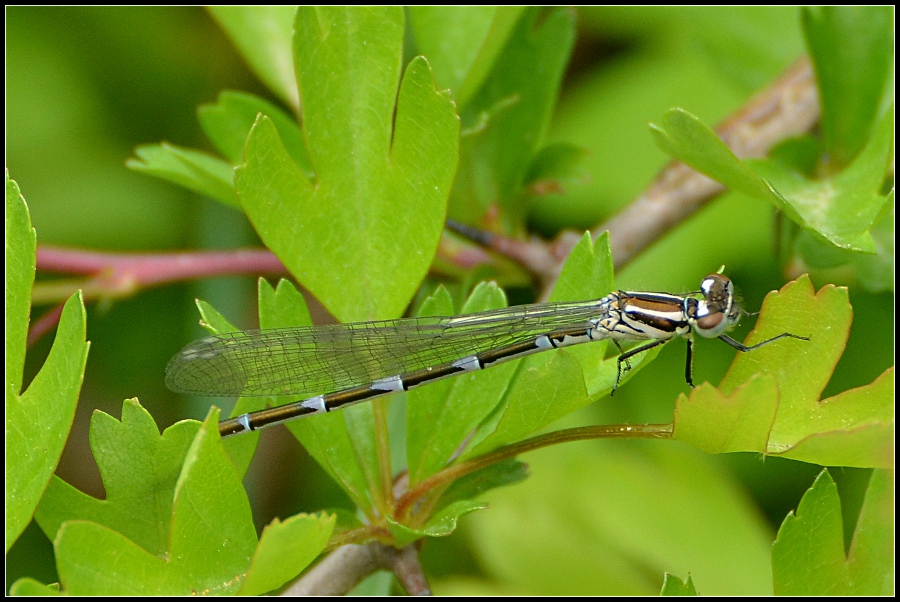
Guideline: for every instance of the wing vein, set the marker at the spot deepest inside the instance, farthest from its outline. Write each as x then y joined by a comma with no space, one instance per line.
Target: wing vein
322,359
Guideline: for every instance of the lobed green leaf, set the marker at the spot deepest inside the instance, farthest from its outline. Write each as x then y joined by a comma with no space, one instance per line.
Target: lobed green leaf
262,34
506,120
376,207
192,169
852,50
37,421
462,43
780,412
208,543
227,124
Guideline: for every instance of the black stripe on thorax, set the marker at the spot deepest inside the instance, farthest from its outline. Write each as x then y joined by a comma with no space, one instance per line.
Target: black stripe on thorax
659,297
665,313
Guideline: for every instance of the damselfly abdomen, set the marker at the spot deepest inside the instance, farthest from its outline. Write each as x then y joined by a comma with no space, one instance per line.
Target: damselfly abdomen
343,364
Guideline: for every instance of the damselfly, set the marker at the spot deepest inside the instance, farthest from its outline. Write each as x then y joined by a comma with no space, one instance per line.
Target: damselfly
345,364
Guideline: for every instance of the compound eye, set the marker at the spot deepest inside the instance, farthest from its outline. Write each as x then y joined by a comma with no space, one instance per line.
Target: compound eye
711,325
710,322
717,287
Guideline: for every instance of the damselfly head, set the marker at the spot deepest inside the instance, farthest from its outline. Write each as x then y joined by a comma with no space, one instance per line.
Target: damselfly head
719,310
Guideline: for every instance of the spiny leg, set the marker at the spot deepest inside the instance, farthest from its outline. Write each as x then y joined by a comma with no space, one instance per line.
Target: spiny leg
629,354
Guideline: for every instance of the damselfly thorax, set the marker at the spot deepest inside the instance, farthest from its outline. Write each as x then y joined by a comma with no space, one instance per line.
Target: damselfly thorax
345,364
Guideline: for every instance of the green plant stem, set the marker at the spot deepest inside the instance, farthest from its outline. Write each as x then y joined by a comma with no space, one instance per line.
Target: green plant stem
444,477
383,449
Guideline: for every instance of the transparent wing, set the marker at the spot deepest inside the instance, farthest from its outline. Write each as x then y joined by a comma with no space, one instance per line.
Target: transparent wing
321,359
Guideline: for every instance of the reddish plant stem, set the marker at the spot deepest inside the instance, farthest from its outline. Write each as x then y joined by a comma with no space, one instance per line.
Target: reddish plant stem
119,275
148,269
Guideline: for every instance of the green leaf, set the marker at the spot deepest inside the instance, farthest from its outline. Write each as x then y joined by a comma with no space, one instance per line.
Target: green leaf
328,440
440,525
673,586
347,523
439,417
86,550
462,42
348,460
227,124
495,475
840,210
555,167
282,307
780,413
262,34
544,392
854,428
587,272
617,515
285,549
808,554
361,237
192,169
717,423
686,138
240,449
872,550
139,468
852,49
21,241
212,320
326,437
512,111
876,272
210,543
548,386
854,421
38,420
30,587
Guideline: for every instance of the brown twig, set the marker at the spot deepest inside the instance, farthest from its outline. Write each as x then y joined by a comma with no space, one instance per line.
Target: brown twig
788,107
343,569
